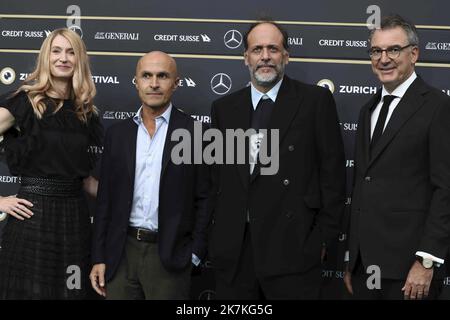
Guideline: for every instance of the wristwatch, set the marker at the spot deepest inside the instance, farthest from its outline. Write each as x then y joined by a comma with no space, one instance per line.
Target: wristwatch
427,263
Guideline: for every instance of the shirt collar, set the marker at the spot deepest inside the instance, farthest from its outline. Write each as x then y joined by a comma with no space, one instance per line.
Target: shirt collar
165,116
272,93
401,89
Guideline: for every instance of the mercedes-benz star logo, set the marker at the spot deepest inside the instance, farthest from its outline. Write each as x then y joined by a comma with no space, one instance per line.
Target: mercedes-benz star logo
232,39
221,83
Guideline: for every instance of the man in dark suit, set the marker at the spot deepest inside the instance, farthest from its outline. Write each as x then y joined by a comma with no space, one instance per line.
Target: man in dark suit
400,213
269,230
151,216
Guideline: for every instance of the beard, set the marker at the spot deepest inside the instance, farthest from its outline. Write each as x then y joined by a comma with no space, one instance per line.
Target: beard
270,78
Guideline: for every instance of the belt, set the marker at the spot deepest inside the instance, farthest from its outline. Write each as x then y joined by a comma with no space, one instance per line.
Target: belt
143,234
51,187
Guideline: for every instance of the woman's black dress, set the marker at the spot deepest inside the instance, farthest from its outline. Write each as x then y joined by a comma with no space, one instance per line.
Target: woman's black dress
47,256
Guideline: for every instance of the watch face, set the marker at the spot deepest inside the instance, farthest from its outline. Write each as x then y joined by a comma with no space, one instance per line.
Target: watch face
427,263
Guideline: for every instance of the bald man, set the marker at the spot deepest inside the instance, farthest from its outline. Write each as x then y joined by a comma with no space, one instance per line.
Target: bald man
151,218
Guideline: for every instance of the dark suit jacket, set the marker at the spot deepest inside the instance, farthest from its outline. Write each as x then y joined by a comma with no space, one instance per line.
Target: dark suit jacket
182,214
401,194
294,211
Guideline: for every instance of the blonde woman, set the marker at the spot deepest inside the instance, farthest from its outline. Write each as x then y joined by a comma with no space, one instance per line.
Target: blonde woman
48,125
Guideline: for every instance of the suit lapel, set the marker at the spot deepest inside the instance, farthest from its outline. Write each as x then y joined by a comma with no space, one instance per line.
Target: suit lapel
176,121
130,143
241,120
366,125
409,104
285,108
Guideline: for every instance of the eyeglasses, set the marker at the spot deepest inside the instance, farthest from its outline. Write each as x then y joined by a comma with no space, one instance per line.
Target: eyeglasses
392,52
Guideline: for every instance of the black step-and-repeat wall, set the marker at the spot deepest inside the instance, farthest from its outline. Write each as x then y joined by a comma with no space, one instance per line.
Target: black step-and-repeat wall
328,41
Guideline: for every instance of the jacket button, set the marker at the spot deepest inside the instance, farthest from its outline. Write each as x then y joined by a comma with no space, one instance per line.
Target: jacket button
368,178
291,148
289,214
286,182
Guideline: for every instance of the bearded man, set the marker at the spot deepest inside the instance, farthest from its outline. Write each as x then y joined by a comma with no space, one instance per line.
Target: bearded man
270,230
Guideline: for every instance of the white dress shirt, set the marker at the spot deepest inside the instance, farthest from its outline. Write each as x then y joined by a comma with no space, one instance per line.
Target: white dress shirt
255,140
399,92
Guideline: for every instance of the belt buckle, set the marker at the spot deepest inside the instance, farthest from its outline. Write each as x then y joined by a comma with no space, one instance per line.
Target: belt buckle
138,236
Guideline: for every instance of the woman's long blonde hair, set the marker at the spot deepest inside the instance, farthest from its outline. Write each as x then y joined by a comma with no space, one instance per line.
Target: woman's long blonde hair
40,81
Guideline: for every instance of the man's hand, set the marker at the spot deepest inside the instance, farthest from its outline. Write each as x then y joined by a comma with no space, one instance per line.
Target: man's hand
348,279
16,207
417,285
97,277
90,186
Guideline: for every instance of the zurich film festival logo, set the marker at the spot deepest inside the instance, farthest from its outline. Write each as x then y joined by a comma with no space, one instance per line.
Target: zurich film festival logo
201,118
326,83
232,39
357,89
221,83
101,79
23,76
7,75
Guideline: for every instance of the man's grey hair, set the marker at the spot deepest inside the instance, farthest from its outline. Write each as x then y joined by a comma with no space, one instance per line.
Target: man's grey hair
394,21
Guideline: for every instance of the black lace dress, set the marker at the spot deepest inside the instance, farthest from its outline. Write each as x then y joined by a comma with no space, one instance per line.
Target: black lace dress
47,256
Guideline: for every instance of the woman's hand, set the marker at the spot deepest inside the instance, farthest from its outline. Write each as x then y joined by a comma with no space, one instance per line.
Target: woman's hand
90,185
16,207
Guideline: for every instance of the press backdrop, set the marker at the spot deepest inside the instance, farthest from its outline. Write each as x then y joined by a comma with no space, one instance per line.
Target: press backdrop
328,41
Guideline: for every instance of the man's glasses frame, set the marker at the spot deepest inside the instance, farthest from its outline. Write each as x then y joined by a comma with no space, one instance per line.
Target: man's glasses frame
392,52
